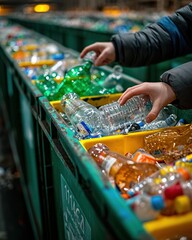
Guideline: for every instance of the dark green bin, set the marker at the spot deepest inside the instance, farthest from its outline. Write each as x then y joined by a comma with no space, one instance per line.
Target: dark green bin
80,202
20,99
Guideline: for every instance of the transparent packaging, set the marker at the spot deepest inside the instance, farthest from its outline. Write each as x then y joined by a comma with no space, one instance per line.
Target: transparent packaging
170,144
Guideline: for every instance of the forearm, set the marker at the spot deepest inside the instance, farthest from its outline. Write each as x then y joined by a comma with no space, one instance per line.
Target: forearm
167,38
142,48
180,79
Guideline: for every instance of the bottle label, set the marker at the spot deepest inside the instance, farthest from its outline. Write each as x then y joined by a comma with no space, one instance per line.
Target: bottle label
83,129
108,163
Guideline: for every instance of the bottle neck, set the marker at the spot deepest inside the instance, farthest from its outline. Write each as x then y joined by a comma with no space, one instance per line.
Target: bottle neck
87,65
108,163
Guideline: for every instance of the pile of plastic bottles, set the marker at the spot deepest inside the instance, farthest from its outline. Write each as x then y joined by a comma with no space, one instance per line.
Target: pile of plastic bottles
150,189
112,119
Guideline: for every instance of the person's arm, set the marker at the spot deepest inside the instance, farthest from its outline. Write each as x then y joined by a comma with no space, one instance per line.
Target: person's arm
169,37
180,80
175,88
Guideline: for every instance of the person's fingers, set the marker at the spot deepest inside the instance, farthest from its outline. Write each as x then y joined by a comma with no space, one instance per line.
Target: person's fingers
152,115
101,59
131,92
92,47
84,52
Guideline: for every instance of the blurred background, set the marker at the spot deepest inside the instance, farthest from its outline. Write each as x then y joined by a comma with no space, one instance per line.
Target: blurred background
28,6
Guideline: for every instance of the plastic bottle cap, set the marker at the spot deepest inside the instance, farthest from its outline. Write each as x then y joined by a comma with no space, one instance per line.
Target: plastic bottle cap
173,191
182,120
167,169
134,127
58,56
184,173
144,158
141,124
189,157
130,193
157,202
157,180
182,204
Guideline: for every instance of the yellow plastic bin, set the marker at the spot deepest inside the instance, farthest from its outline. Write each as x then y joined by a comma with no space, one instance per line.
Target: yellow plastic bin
171,227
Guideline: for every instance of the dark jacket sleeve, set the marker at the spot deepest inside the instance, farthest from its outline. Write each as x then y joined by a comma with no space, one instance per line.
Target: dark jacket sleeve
180,79
169,37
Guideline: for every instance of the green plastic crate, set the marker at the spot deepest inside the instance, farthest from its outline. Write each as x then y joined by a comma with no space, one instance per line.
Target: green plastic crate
21,101
70,172
20,98
164,227
80,202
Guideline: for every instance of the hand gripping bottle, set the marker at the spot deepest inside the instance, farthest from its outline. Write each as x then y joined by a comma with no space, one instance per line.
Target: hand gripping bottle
124,171
135,109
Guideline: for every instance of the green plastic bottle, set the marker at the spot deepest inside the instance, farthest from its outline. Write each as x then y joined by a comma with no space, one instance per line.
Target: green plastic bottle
76,80
46,82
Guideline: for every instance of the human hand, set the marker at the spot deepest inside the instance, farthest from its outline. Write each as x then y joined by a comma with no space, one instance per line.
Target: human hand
160,94
104,52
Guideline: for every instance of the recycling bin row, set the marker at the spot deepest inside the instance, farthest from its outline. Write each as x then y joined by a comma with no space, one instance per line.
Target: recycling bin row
67,196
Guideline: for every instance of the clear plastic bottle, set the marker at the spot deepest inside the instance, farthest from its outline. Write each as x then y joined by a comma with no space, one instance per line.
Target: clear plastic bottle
113,80
135,109
125,128
159,181
90,121
85,118
123,170
178,189
46,82
168,122
59,67
146,207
